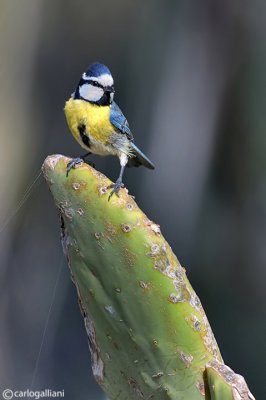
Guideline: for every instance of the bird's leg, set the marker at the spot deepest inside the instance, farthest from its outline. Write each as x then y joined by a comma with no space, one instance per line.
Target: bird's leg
118,184
76,161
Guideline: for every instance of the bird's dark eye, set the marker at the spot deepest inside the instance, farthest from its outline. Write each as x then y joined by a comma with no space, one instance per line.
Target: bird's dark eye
95,83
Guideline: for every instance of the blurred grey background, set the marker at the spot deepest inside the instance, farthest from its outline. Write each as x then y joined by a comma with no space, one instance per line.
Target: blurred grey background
190,77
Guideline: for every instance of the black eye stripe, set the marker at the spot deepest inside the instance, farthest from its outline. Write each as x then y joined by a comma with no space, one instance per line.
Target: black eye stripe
95,83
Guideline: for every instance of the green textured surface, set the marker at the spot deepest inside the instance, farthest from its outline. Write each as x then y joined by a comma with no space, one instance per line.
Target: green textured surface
223,384
219,388
148,334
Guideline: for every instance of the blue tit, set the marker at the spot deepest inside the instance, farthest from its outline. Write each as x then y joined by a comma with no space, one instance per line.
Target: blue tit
98,124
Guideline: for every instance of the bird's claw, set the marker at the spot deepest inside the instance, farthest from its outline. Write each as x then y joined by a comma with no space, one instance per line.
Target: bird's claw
116,187
73,163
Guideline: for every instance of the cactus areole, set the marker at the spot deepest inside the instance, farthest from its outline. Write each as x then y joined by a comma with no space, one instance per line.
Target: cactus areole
148,334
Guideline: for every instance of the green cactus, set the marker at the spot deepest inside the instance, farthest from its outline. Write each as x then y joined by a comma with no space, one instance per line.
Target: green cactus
148,334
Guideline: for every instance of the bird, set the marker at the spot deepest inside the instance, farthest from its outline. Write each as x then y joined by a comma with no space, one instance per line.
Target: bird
98,124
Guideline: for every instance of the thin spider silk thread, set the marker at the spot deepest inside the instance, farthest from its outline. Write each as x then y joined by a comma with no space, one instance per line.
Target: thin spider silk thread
22,201
46,324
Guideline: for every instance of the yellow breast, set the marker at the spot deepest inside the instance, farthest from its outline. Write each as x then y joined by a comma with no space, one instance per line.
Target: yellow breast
94,117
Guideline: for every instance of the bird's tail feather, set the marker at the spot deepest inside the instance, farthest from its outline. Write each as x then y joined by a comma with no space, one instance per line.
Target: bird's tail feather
138,158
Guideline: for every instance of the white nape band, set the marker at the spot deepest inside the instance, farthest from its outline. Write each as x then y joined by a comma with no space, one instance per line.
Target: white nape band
85,77
90,93
104,79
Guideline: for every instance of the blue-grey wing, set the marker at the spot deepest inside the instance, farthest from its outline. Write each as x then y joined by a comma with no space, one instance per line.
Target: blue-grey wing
118,120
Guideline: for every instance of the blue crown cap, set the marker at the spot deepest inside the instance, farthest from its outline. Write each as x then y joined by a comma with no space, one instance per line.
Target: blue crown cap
97,69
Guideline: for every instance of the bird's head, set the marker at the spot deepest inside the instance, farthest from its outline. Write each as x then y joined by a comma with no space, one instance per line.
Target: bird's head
96,85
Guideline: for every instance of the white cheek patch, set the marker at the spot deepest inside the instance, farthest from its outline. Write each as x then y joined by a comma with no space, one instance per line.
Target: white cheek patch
90,93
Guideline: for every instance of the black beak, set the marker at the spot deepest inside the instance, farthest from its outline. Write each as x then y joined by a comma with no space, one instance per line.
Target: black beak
109,89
